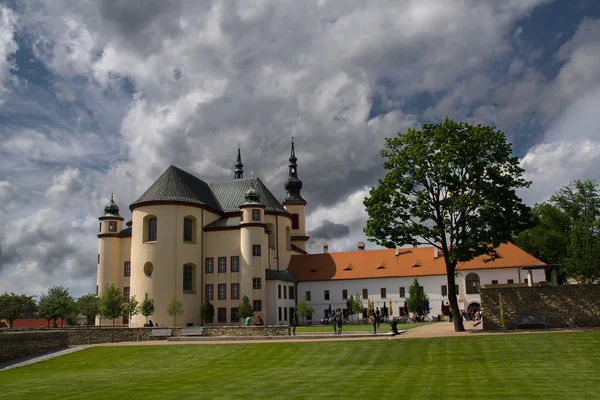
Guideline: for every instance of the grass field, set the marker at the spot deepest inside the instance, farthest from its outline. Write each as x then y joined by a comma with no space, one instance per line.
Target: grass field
528,366
383,327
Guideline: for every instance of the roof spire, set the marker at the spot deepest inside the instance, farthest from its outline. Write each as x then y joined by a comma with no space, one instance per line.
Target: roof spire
239,167
293,185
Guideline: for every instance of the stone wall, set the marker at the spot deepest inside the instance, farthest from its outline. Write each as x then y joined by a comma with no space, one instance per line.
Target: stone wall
25,343
555,303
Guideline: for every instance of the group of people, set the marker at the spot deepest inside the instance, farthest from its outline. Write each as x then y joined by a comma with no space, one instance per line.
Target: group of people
337,320
259,321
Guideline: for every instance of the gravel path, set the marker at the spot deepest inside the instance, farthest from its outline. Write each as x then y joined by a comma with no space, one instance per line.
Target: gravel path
38,357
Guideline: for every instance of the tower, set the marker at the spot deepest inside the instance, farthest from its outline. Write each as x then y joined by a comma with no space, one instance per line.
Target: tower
109,246
239,167
295,204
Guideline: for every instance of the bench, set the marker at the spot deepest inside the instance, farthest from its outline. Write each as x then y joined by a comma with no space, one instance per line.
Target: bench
530,322
191,331
160,333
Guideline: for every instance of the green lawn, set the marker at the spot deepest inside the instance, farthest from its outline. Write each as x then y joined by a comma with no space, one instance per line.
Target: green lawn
527,366
383,327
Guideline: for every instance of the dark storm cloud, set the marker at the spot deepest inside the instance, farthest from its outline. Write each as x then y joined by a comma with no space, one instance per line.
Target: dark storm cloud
329,230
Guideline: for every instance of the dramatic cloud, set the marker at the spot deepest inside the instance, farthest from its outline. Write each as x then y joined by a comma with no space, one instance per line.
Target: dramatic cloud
100,96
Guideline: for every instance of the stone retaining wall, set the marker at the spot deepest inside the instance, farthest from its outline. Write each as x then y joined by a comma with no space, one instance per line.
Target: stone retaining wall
94,335
20,344
555,303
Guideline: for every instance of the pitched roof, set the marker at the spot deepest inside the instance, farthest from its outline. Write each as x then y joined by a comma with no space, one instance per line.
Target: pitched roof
178,185
225,222
284,275
385,264
230,194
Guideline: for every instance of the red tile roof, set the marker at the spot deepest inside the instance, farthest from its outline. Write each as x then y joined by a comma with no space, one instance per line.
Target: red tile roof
385,264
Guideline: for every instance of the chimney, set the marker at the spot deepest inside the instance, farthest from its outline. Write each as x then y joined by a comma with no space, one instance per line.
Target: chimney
361,245
414,245
436,252
325,248
396,252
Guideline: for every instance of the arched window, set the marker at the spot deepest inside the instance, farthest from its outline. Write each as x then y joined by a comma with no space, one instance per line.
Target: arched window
472,282
288,238
189,229
152,226
295,221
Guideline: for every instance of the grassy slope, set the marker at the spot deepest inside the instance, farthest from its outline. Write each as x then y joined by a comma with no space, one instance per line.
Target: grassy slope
533,366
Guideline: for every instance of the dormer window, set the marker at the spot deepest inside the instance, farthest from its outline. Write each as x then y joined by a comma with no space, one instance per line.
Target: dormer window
255,215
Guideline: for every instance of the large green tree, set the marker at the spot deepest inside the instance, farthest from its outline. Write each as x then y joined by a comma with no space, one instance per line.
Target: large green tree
416,298
566,231
207,312
175,309
57,303
111,302
147,307
15,306
88,306
452,186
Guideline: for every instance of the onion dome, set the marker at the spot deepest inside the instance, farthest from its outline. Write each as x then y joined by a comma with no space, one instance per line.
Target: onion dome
111,209
252,196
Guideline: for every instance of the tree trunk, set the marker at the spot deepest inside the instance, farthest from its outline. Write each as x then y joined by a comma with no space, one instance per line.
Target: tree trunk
458,322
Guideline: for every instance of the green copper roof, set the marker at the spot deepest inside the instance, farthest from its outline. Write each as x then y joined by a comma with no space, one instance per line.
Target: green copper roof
252,197
111,209
225,222
231,194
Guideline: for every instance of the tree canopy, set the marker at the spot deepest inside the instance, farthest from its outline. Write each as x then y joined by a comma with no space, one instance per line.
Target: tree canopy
303,309
416,298
245,309
132,307
566,231
57,303
207,312
452,186
88,306
111,302
147,307
175,309
15,306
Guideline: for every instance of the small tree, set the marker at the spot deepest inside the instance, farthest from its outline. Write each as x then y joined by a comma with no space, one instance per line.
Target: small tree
147,307
57,303
132,307
14,306
357,306
304,310
111,302
416,298
245,309
88,306
350,305
207,312
175,309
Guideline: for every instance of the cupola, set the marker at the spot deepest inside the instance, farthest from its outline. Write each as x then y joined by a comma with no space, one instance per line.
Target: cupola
111,209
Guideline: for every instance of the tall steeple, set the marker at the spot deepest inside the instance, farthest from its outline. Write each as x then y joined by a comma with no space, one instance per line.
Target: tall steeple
239,167
293,185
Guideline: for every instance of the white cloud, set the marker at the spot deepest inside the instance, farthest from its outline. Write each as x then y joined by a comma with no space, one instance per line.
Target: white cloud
8,48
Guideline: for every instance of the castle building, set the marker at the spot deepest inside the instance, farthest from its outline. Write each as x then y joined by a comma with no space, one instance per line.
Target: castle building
218,241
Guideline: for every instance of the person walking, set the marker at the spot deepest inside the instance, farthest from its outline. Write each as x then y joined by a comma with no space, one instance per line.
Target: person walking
340,321
333,321
294,323
378,316
374,317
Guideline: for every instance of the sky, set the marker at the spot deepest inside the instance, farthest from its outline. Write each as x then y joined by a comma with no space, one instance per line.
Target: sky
101,96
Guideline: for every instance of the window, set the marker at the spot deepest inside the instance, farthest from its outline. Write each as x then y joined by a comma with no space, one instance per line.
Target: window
402,291
127,268
242,216
222,264
285,314
148,269
365,294
112,226
188,278
125,318
187,229
295,221
494,281
126,293
208,291
222,291
444,290
256,250
235,290
472,282
383,292
344,294
279,313
255,215
308,295
222,314
256,283
279,292
285,292
291,291
209,265
288,238
526,281
257,305
152,229
100,227
235,264
510,281
98,258
96,290
233,314
326,295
